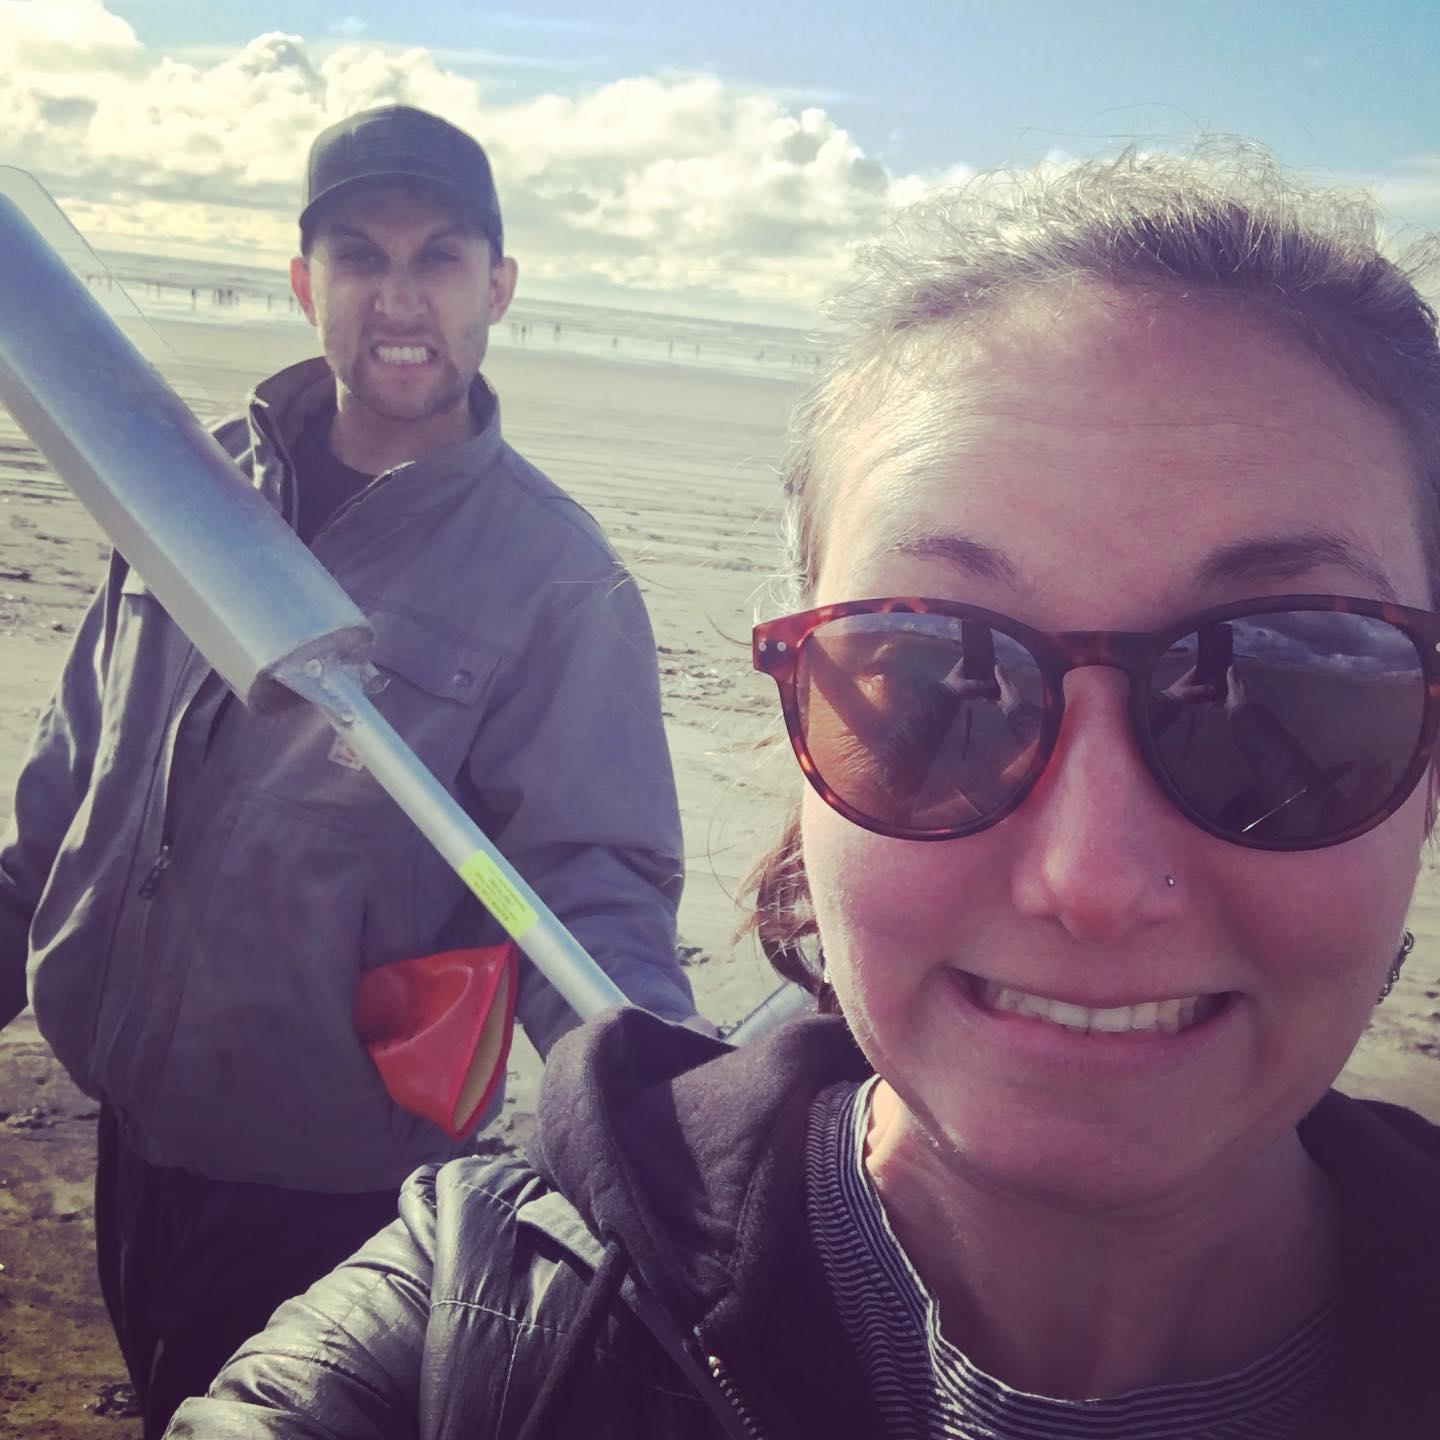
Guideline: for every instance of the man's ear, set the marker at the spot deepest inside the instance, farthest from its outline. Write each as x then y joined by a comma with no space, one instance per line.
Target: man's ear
300,284
503,274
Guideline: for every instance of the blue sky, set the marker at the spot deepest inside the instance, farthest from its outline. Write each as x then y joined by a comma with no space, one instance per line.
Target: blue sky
925,83
713,157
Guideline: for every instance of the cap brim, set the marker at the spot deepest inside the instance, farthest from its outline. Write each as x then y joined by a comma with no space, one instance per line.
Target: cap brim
452,195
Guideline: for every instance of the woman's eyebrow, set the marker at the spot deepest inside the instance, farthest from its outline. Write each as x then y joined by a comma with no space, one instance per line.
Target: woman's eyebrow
1276,557
1268,557
973,556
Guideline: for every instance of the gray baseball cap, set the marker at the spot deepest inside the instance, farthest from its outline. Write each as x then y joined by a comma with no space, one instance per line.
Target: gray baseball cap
398,142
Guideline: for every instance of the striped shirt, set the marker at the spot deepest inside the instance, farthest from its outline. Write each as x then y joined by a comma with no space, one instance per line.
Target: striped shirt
924,1386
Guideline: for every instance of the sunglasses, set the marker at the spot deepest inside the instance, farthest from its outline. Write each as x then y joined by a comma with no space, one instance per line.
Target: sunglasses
1286,723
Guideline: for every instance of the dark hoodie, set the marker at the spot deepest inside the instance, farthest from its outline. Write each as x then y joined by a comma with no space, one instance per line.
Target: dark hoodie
650,1272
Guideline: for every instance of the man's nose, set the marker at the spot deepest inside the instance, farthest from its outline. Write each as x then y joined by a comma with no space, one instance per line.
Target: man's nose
399,297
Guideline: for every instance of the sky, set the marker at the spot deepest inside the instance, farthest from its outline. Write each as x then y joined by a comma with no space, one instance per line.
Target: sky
709,160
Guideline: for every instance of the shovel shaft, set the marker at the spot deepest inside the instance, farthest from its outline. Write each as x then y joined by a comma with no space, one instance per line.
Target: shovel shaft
780,1005
338,692
225,566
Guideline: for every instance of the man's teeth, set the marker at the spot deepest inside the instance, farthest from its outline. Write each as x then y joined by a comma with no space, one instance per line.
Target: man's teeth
402,354
1168,1016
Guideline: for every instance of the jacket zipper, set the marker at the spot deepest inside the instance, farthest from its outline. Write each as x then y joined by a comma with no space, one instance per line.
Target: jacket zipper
290,485
351,501
727,1388
156,873
151,882
166,853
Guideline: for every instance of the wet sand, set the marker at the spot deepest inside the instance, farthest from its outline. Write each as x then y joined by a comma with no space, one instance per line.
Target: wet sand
679,467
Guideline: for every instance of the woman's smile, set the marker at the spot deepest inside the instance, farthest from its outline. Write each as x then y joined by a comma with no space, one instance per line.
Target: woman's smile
1022,1037
1171,1016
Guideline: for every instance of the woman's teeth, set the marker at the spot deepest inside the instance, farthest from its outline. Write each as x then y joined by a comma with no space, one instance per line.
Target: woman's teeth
402,354
1166,1016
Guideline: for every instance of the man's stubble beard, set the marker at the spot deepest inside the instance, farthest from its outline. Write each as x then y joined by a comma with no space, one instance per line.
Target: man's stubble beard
447,394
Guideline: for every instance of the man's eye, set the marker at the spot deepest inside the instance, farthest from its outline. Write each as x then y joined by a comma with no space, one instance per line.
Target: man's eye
358,257
439,258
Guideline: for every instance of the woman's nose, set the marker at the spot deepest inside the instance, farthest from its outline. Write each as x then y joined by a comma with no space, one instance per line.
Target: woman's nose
1097,839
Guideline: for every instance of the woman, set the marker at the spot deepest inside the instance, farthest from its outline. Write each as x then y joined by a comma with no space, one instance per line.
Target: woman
1126,453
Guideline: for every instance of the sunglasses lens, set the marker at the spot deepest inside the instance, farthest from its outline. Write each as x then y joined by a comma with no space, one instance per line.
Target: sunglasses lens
1289,729
921,723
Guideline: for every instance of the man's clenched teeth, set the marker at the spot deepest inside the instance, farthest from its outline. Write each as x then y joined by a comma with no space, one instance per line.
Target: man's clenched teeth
403,354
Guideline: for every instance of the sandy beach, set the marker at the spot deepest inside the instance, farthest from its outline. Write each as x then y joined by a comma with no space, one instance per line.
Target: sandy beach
679,466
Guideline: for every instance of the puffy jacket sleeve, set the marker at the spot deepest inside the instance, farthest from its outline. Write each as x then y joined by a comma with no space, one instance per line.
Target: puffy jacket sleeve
343,1361
49,792
572,766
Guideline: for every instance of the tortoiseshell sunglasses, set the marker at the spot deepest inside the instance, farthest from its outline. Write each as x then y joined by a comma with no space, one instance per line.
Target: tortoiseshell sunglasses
1291,722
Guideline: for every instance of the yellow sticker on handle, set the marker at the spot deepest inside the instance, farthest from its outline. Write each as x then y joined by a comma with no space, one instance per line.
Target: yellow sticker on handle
497,894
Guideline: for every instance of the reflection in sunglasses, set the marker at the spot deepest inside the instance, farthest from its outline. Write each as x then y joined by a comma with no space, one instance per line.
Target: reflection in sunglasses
1286,722
910,732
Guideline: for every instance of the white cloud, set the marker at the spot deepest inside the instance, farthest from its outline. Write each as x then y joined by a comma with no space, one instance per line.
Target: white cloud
64,38
350,26
679,184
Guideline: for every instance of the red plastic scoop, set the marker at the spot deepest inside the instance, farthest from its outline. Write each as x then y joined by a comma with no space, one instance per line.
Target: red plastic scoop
438,1029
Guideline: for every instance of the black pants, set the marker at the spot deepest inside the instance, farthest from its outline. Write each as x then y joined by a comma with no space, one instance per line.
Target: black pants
191,1268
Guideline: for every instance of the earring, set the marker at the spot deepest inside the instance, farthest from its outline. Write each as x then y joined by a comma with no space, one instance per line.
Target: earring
823,981
1407,944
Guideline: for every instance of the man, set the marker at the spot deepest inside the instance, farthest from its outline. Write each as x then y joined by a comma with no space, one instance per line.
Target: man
199,887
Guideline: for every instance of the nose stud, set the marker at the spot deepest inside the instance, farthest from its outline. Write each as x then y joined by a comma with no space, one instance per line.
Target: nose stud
1169,882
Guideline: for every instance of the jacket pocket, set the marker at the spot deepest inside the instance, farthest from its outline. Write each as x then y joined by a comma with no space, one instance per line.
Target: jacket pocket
435,687
255,1068
432,694
432,660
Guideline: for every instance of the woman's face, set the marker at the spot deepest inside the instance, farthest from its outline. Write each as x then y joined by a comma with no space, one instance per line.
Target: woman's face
1103,451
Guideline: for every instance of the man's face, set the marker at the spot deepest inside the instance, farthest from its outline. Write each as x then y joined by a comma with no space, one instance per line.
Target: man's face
403,293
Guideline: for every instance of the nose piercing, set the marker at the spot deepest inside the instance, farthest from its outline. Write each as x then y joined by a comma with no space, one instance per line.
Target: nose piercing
1169,882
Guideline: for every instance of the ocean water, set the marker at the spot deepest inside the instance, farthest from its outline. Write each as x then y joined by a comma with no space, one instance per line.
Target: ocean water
159,287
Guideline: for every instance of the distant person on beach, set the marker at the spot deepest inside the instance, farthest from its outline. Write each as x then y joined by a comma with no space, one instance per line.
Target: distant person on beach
199,888
1061,1155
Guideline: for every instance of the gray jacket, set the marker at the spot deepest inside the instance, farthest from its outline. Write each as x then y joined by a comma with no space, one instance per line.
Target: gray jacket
195,931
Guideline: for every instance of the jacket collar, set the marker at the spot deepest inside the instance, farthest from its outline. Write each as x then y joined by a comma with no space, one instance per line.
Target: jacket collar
283,405
691,1155
660,1136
